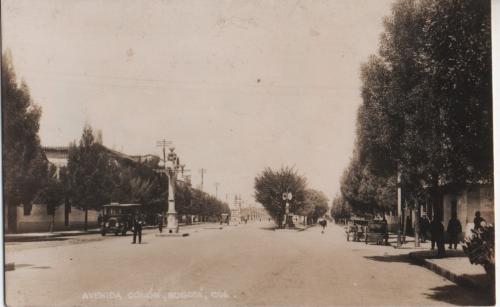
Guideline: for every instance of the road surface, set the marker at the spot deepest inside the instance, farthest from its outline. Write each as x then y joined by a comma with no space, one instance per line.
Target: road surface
247,265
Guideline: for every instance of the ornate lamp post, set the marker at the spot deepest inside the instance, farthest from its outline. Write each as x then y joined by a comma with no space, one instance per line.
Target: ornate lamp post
287,196
171,168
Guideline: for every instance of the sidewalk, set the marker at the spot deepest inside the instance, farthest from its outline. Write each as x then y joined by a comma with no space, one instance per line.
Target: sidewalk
47,236
456,266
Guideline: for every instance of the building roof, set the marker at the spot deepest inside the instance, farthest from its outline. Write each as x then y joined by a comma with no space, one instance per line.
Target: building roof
58,155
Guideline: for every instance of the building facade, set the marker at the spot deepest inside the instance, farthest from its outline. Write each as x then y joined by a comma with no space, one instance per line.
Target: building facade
468,202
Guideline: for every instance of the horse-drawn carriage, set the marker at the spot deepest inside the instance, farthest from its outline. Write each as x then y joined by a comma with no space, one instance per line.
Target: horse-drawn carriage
376,231
356,229
367,230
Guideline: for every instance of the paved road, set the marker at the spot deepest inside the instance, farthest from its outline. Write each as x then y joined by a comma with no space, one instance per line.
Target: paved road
248,265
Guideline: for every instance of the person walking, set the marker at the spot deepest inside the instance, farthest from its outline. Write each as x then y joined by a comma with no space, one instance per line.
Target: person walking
323,223
454,230
137,229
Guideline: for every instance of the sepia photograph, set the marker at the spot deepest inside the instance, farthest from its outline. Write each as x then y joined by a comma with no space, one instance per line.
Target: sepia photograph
248,153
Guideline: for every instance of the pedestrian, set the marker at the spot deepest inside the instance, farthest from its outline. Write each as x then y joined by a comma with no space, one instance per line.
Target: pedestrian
322,222
160,222
137,229
424,227
478,220
454,230
437,236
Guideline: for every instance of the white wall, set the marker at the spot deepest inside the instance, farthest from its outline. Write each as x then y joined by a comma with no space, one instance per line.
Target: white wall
477,198
40,221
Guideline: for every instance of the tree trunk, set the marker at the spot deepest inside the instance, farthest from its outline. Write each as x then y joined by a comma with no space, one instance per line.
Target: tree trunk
53,221
405,212
417,224
85,224
11,218
67,209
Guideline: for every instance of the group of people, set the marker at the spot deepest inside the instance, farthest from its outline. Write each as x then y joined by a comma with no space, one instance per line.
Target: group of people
437,232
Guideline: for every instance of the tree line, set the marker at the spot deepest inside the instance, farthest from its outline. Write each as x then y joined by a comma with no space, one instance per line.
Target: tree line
426,113
271,184
92,178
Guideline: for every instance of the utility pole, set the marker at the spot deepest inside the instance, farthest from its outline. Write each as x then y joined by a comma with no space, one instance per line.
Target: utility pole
185,173
164,144
202,171
216,188
398,244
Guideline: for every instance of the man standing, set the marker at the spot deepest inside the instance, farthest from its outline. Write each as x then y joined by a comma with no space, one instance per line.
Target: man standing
437,235
424,227
137,228
454,230
160,222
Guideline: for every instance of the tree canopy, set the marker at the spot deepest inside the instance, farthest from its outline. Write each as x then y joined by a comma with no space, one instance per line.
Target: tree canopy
315,204
427,104
24,164
270,186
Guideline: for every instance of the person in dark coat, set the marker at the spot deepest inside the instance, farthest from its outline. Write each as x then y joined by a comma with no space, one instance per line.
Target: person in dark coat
322,222
424,227
437,236
478,220
454,230
137,229
160,222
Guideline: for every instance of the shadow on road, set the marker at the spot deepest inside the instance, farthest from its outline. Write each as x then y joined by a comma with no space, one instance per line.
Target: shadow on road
271,228
23,265
461,296
391,258
41,267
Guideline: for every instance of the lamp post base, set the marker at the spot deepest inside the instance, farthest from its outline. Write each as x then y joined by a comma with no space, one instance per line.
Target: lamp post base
172,223
172,229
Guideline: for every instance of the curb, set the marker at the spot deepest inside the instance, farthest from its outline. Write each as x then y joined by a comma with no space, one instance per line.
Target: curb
462,280
49,237
58,235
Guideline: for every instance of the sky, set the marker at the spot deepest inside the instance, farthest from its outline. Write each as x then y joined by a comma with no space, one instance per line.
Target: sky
237,86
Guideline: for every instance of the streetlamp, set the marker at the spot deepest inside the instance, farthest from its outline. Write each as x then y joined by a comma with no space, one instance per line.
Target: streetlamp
171,168
287,196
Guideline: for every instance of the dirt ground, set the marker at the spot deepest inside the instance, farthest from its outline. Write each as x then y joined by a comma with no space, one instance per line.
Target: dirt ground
246,265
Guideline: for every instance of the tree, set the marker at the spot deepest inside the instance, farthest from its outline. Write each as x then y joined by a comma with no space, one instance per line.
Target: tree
270,186
315,205
53,192
439,55
340,208
365,191
24,164
89,180
427,106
